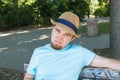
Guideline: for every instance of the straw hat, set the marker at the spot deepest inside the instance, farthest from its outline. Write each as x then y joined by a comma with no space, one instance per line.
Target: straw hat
68,21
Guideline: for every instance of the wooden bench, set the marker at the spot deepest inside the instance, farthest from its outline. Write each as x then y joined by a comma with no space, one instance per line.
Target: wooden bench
94,73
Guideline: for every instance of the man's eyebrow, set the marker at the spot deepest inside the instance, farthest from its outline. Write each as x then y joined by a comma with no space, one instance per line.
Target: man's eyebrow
57,29
68,33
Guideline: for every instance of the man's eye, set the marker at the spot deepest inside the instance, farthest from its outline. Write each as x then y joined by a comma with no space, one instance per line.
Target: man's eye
67,35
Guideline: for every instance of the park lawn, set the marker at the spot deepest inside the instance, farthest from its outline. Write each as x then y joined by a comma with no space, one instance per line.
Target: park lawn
103,28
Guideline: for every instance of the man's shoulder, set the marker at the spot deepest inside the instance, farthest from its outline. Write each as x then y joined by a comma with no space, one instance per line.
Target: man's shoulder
76,46
42,48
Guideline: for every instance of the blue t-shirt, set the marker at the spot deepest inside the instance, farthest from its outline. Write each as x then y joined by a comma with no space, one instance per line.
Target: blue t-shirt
49,64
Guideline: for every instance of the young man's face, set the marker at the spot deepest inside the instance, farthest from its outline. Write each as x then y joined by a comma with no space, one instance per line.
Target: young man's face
60,38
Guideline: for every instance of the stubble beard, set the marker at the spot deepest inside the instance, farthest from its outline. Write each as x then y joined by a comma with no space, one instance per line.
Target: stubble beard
55,46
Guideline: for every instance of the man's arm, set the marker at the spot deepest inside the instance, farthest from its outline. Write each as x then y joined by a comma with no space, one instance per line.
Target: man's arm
100,61
28,77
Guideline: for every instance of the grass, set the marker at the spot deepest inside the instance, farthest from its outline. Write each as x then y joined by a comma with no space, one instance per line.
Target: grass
103,28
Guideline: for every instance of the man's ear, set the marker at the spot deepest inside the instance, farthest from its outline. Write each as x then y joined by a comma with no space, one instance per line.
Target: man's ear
73,38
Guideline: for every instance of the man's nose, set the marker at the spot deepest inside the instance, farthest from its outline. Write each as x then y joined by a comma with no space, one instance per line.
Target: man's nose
60,36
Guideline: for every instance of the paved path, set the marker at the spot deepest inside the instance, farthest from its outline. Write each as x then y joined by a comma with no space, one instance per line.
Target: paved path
17,47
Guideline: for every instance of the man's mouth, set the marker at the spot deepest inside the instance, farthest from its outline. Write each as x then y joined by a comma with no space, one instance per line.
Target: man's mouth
58,41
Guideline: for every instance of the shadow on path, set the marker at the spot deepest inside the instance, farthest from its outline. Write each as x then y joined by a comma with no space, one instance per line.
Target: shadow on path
17,47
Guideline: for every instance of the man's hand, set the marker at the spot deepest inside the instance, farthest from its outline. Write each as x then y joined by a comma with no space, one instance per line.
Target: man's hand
28,77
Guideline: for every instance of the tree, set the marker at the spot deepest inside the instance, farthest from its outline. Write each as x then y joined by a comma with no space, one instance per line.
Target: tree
115,29
102,9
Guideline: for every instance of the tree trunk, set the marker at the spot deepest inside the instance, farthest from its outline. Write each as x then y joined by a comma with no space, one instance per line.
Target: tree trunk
115,29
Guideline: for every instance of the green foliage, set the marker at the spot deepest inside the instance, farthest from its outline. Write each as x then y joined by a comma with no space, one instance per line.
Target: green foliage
41,12
98,12
19,13
44,9
107,10
80,7
7,16
104,27
103,2
24,15
104,8
11,16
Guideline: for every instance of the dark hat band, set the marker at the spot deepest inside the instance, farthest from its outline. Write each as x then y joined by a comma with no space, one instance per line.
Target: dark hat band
67,23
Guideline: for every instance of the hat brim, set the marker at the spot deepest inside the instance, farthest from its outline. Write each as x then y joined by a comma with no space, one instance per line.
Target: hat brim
66,28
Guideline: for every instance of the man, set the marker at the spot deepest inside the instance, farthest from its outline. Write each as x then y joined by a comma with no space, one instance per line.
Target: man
60,60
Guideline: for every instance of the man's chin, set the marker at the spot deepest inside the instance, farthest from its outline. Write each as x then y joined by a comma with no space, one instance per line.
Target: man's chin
56,46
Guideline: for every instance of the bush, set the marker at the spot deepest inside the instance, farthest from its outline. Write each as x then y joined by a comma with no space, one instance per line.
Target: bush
11,16
39,12
104,10
98,13
24,16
